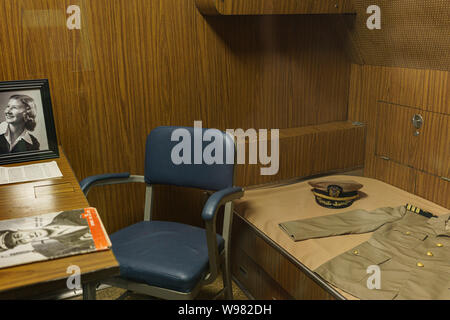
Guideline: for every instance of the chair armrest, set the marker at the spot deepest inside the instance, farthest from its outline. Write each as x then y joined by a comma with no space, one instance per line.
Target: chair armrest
219,198
109,178
215,201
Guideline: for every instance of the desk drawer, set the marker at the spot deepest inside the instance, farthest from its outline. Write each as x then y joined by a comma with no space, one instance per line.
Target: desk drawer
52,189
256,281
270,274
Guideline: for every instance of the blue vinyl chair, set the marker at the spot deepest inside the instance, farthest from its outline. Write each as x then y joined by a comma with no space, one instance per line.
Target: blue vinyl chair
171,260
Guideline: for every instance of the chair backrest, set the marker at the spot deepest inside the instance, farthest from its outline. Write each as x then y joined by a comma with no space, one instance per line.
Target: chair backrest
162,159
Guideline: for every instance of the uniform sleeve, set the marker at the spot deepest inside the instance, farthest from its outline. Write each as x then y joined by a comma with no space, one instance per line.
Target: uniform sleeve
357,221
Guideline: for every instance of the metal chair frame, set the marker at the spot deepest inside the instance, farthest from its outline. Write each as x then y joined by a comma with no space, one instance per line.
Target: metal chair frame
217,259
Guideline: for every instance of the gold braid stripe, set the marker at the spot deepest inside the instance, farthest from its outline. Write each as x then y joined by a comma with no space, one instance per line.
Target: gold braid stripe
336,199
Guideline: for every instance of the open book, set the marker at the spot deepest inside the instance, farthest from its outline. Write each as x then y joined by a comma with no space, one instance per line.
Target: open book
50,236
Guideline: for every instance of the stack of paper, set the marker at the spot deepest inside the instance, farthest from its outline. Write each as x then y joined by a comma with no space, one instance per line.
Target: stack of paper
32,172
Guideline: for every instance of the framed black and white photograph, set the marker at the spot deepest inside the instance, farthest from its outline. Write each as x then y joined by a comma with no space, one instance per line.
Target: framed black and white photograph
27,128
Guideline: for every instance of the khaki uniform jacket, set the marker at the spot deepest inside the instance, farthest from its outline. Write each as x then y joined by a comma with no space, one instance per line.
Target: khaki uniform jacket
411,251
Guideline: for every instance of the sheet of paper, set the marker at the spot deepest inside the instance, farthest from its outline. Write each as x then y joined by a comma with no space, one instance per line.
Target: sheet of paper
32,172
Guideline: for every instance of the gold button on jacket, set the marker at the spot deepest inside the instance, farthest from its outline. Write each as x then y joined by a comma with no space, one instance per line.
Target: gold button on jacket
411,251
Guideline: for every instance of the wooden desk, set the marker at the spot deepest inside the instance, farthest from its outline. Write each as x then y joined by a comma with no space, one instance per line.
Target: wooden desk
52,195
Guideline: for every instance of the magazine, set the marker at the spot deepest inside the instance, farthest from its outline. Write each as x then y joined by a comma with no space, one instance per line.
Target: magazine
50,236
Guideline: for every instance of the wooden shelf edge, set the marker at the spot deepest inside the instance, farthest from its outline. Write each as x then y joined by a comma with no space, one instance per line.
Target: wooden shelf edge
324,127
208,7
293,132
217,7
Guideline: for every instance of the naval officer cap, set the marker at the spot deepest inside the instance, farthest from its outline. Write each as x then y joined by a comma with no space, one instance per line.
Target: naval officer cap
335,194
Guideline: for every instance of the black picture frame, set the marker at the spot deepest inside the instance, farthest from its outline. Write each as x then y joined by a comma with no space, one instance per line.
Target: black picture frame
39,91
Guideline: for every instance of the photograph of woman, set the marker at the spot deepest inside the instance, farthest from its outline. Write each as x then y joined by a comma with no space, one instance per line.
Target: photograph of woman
20,118
27,128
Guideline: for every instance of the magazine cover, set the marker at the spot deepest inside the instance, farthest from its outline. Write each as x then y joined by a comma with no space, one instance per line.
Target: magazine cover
50,236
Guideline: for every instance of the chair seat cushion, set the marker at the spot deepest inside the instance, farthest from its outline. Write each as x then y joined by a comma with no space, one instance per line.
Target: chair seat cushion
163,254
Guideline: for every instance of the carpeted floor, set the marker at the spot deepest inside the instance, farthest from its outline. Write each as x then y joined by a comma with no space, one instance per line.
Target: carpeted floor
207,292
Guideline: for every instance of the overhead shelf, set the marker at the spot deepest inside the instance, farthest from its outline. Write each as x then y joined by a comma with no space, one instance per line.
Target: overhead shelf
268,7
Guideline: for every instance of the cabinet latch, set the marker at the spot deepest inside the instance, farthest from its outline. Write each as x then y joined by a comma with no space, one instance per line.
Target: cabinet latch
417,122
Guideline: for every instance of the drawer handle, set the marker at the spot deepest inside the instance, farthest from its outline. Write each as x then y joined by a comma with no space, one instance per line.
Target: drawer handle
243,271
445,179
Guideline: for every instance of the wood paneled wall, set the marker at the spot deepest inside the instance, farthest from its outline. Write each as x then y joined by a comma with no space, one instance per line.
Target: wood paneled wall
386,99
138,64
404,72
311,150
